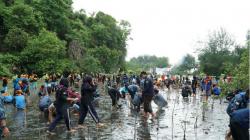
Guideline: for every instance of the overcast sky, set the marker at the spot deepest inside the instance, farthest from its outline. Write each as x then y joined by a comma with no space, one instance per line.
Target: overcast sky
172,28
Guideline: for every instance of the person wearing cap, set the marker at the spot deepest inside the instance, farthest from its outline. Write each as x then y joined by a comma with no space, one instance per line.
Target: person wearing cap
147,94
19,100
87,96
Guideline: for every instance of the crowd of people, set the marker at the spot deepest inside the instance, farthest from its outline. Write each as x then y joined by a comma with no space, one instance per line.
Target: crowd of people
139,90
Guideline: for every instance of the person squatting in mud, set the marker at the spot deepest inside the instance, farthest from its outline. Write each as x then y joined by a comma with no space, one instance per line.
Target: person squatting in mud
238,110
114,94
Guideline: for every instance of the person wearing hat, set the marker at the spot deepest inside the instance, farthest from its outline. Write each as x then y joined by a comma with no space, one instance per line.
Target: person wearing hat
19,100
147,94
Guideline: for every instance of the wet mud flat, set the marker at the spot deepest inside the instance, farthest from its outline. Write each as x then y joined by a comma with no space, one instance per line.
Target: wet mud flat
189,115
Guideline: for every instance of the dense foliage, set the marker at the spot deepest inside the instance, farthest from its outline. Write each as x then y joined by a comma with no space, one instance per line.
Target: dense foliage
240,72
218,53
47,36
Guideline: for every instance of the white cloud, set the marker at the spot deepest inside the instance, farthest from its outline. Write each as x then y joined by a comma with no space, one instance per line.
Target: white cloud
172,27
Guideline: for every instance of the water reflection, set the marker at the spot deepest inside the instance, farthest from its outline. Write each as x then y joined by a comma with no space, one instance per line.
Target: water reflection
20,119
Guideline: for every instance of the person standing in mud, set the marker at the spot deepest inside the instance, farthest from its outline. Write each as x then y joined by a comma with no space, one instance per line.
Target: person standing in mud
53,82
147,94
167,82
4,131
208,85
125,79
62,106
118,80
194,85
71,79
87,96
5,86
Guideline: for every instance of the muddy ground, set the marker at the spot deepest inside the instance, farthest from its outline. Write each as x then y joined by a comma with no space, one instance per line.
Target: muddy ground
198,120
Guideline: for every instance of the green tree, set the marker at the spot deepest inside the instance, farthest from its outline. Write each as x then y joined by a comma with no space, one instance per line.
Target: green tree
4,70
15,40
43,52
146,62
9,2
24,17
108,58
48,36
7,63
90,64
217,50
241,72
57,15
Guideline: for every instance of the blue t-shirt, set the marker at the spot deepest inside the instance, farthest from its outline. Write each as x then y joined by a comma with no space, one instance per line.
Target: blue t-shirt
20,102
208,85
44,102
216,91
15,82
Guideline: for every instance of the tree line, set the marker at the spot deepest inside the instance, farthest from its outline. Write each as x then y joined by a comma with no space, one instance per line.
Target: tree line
220,55
47,36
145,62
